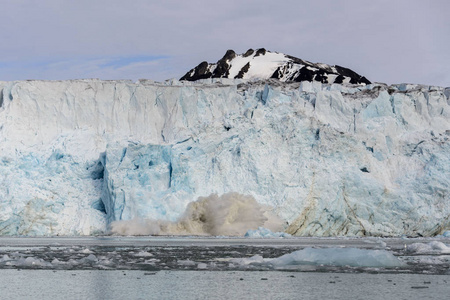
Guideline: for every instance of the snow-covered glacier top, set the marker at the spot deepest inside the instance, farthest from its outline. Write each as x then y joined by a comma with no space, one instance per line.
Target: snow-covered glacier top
327,159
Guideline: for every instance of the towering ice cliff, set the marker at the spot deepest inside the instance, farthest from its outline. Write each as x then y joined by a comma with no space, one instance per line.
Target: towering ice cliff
329,159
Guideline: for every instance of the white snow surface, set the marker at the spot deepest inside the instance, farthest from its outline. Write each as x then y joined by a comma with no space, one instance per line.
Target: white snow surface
261,66
329,159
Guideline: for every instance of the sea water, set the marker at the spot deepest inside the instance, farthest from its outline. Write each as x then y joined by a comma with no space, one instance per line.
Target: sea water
130,284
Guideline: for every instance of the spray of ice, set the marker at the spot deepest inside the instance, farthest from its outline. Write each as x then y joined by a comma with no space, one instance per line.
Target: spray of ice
231,214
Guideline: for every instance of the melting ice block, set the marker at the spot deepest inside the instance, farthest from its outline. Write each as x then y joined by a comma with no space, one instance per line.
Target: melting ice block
352,257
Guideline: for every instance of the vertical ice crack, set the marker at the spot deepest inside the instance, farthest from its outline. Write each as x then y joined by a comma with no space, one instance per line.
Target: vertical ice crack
307,214
123,204
352,211
132,116
170,174
391,99
124,152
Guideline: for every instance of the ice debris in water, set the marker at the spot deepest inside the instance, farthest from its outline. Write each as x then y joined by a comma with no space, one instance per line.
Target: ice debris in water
247,261
202,266
4,258
143,254
434,247
30,262
338,257
186,262
263,232
91,258
352,257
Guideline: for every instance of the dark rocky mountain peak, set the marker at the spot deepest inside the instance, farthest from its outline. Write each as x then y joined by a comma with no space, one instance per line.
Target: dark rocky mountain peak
263,64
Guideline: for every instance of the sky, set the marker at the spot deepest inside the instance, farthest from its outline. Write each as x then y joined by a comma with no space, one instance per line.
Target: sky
401,41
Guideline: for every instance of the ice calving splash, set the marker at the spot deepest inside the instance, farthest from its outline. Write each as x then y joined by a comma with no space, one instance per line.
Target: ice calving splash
231,214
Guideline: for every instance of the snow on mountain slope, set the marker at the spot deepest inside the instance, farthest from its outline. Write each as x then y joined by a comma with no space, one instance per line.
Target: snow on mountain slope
262,64
328,159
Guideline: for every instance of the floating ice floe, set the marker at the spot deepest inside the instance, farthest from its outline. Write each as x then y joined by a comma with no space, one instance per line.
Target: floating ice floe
434,247
143,254
186,262
336,257
248,260
352,257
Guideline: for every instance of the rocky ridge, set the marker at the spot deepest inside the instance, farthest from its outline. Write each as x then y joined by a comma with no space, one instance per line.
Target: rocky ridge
263,64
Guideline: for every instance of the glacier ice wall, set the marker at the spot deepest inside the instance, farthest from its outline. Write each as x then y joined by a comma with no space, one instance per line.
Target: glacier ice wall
330,159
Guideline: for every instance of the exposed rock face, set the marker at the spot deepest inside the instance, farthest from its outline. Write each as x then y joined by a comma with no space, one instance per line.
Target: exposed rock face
263,64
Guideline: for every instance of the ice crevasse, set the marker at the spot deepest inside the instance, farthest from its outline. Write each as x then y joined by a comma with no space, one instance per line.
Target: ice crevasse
327,159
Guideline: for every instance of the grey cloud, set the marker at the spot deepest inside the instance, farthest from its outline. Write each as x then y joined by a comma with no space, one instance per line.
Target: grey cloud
387,41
